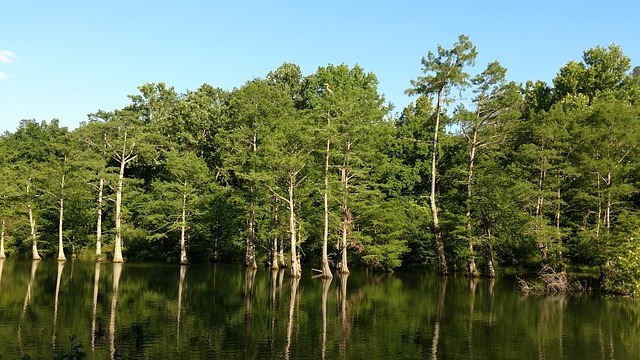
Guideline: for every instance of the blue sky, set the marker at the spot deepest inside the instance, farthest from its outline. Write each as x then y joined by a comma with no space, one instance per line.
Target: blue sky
65,59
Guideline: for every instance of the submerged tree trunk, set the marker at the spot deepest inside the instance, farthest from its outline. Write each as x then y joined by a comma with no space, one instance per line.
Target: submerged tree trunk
61,256
32,222
183,227
437,233
99,223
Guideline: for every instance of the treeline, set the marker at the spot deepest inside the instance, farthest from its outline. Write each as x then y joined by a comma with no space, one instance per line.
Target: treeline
318,168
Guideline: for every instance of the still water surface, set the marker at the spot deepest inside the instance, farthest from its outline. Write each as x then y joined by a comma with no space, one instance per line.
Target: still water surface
160,311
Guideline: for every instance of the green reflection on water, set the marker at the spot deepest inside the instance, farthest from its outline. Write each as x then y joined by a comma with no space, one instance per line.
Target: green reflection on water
162,311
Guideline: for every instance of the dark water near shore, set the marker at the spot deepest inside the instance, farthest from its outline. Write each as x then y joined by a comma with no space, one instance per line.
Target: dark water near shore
159,311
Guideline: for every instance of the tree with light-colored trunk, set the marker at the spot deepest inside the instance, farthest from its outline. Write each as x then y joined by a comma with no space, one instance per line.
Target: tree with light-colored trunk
495,103
445,70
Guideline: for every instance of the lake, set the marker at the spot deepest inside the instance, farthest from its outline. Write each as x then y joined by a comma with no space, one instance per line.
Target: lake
221,311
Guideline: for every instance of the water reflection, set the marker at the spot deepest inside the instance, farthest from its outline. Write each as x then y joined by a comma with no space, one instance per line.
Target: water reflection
27,299
442,289
295,281
94,304
326,283
223,311
55,308
117,270
183,275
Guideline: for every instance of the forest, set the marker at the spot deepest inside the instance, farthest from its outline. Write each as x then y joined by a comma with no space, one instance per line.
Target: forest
478,175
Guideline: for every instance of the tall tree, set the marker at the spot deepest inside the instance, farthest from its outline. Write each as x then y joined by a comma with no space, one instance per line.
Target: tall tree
119,136
444,71
496,102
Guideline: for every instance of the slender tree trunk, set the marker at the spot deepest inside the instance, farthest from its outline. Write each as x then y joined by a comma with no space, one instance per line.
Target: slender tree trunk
274,256
2,254
61,256
250,251
608,210
296,269
347,221
183,227
472,270
281,260
32,222
326,271
558,231
250,254
442,261
117,253
542,244
99,223
491,271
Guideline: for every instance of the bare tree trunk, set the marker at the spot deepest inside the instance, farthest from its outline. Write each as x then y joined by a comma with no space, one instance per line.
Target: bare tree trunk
472,270
32,222
2,254
347,218
274,256
99,223
326,271
491,272
250,251
61,256
117,252
183,226
608,210
558,231
296,270
542,244
442,261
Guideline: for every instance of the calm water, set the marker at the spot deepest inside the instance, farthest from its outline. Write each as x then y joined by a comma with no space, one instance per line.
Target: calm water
135,311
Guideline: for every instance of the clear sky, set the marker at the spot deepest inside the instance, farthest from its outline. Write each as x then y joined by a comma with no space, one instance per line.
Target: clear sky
64,59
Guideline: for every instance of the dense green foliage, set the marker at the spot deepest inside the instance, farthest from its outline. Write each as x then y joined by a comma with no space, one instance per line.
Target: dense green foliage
527,175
